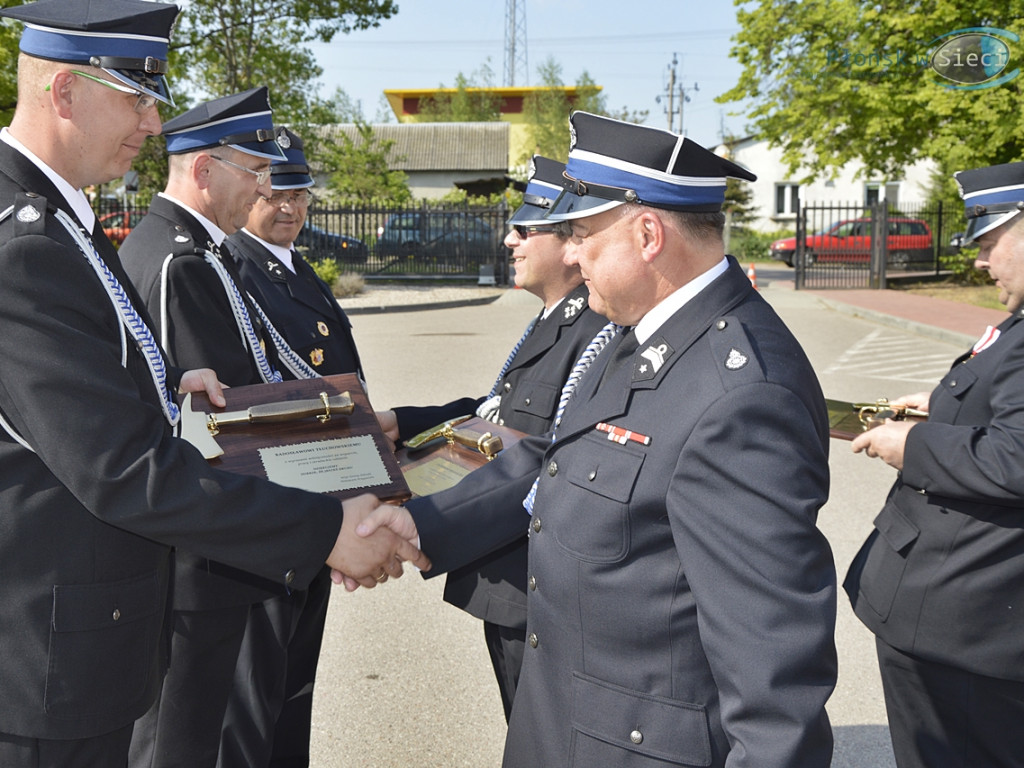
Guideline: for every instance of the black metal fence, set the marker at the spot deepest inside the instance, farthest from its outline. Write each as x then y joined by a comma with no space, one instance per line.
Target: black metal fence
454,242
857,246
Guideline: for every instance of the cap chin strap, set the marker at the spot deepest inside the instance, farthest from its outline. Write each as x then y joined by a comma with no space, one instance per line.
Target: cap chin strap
150,65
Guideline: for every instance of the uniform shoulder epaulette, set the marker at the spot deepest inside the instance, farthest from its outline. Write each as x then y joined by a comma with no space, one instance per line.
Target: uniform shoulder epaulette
28,214
181,241
734,354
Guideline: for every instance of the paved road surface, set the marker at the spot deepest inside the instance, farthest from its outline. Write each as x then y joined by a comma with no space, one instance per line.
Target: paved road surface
404,678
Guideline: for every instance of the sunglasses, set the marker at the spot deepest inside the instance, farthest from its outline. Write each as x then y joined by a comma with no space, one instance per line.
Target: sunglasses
524,231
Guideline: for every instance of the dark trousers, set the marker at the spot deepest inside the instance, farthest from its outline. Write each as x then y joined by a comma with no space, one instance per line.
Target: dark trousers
107,751
269,713
182,730
506,647
944,717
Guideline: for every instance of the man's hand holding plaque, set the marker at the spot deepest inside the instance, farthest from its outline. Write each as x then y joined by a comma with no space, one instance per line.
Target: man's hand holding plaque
886,440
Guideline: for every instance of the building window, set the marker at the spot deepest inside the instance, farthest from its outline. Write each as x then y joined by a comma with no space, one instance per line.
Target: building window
786,197
873,191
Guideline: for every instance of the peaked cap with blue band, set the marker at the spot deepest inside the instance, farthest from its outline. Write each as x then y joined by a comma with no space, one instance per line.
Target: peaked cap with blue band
542,188
293,171
243,121
612,162
992,196
126,38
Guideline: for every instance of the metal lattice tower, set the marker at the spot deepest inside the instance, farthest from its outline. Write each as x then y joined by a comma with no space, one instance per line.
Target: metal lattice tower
517,70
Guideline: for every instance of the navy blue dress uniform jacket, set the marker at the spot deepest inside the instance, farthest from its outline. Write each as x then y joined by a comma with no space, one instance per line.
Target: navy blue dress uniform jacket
942,574
301,307
88,514
681,601
494,587
202,333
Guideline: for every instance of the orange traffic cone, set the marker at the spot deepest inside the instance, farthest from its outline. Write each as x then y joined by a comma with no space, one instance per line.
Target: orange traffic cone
752,276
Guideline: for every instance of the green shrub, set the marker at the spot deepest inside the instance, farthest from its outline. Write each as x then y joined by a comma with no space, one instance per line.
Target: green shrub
749,245
961,267
327,270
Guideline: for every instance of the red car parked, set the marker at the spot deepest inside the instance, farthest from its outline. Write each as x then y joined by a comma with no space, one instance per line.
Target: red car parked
118,224
909,241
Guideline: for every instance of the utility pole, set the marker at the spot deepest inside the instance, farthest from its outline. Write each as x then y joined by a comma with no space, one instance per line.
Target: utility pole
517,70
670,93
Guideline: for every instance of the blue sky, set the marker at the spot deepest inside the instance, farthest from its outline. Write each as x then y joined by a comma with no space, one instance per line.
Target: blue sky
627,47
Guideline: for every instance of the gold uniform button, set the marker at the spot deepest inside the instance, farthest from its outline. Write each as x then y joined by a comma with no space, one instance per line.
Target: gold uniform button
289,577
532,582
553,468
535,525
532,639
508,387
117,614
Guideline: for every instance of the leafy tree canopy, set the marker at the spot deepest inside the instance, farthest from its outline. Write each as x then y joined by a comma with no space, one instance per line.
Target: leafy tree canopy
840,80
227,46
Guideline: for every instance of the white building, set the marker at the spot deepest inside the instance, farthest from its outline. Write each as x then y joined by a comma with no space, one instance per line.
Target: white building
776,191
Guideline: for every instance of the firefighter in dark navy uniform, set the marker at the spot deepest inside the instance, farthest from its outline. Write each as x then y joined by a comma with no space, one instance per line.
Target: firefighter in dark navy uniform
177,257
941,577
95,488
680,597
269,711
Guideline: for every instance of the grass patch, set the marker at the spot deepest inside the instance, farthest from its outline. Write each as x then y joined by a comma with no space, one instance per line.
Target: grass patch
979,295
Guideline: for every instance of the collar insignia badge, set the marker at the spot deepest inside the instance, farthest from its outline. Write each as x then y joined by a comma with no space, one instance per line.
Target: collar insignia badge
573,306
316,357
322,327
652,359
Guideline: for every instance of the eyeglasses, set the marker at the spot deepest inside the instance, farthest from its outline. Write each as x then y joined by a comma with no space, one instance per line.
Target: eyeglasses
262,177
293,197
144,101
524,230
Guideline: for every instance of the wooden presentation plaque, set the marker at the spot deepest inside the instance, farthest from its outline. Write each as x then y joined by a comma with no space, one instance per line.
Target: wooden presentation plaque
344,456
439,464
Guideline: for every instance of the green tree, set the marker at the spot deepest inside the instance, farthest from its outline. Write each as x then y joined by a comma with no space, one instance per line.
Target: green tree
361,169
227,46
834,81
547,110
9,36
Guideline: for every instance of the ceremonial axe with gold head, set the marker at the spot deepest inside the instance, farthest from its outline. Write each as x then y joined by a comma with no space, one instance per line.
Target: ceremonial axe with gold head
200,428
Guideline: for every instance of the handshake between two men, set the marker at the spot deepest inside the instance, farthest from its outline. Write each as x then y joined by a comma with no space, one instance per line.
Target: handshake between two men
375,540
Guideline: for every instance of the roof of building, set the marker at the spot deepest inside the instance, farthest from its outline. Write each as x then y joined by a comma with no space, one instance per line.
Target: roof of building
438,146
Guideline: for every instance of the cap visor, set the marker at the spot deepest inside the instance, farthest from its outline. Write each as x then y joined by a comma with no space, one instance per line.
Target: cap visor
979,225
529,216
268,149
290,181
572,206
156,86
